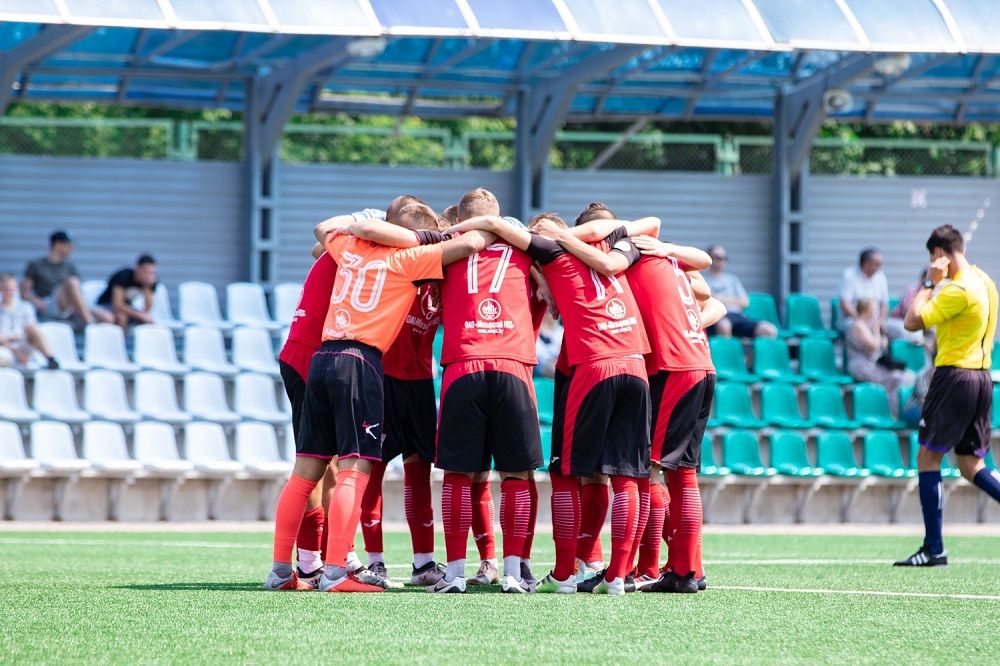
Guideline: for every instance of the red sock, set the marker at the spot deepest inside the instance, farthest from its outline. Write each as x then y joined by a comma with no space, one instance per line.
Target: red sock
515,510
640,527
649,548
686,518
344,514
593,512
371,510
456,512
417,505
288,515
327,498
532,519
668,527
311,531
482,520
624,523
565,523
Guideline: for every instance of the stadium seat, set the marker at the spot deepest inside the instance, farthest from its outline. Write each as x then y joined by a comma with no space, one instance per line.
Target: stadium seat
204,349
708,466
254,351
288,450
92,290
871,408
789,456
205,446
199,305
286,300
546,433
162,313
105,398
835,455
730,362
104,347
780,407
772,362
154,349
882,455
52,446
13,460
947,470
257,449
818,362
912,355
996,406
155,447
438,346
13,400
763,308
545,389
741,454
254,399
804,317
285,332
105,448
205,398
247,306
835,313
54,396
62,344
733,407
826,407
156,398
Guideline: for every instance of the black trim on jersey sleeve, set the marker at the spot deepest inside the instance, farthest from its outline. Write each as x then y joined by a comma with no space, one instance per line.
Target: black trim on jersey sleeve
627,248
616,235
544,250
431,237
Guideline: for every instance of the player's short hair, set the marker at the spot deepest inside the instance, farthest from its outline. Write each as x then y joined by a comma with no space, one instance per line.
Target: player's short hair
552,217
595,211
948,238
450,214
479,201
867,254
397,204
145,259
417,216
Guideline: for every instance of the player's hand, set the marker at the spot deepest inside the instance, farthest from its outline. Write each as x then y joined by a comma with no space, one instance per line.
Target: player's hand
547,229
481,223
543,293
938,269
346,230
651,246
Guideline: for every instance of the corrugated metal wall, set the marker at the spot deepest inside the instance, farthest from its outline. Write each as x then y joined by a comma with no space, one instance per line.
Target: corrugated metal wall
188,214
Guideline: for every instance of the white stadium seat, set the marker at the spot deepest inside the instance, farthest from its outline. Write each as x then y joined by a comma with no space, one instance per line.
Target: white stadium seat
62,344
286,300
204,349
205,398
92,290
163,314
200,305
105,398
285,332
104,347
54,396
205,446
247,306
255,399
257,449
156,448
13,400
288,450
52,446
253,351
156,398
13,460
104,446
154,349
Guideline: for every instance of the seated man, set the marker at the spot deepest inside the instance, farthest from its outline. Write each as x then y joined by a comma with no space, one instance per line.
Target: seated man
52,284
727,288
18,329
866,280
120,299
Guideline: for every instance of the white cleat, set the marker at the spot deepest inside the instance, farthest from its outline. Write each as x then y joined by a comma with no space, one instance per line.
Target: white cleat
513,586
448,587
550,584
488,574
615,586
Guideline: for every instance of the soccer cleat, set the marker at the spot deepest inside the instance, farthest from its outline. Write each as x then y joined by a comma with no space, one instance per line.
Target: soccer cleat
488,574
275,583
630,583
615,586
551,584
348,583
427,575
310,579
369,577
639,582
703,583
448,587
672,583
591,583
513,585
923,558
527,577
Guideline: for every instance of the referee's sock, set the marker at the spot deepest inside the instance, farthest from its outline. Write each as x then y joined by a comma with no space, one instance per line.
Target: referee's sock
988,481
931,503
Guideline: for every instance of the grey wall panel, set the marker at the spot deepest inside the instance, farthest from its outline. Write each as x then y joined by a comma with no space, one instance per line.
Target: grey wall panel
311,192
695,209
187,214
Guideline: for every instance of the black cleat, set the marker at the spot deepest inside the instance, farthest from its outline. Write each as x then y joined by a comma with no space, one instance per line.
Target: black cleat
629,583
923,558
703,583
672,583
589,584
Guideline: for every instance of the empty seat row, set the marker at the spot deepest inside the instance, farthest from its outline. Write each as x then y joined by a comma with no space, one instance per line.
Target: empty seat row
803,313
772,361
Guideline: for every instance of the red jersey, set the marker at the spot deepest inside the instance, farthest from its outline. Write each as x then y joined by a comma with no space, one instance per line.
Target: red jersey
672,316
411,354
307,322
599,313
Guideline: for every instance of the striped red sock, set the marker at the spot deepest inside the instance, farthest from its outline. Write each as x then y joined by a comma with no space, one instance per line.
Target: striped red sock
483,511
649,548
594,502
344,514
371,510
311,530
624,523
686,516
565,523
668,527
640,527
456,512
417,505
515,510
529,538
288,515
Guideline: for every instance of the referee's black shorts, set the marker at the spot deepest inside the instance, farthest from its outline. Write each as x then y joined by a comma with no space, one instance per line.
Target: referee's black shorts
957,411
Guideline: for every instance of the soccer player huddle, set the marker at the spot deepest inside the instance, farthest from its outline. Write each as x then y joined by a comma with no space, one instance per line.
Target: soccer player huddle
633,390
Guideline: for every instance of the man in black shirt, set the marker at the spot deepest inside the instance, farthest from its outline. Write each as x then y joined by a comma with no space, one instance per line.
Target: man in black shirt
129,294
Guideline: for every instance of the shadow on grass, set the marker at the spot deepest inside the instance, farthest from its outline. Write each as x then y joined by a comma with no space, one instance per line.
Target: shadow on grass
210,586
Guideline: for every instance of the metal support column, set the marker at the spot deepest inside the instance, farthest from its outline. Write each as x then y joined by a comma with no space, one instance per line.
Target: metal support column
261,164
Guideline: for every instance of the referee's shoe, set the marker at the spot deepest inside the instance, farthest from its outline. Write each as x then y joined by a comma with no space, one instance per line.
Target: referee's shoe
923,558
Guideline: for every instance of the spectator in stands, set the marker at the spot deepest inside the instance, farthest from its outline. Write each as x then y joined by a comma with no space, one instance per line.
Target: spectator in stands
894,326
547,347
866,280
727,288
866,353
52,284
126,289
19,331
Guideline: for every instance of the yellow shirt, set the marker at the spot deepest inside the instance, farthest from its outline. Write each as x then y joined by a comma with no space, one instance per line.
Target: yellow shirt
965,314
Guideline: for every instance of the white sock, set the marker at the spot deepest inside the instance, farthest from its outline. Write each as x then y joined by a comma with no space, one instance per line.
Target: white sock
526,562
512,566
456,569
309,560
421,559
375,557
353,563
596,565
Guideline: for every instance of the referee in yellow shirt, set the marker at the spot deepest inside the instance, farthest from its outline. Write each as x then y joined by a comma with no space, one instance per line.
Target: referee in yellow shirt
956,413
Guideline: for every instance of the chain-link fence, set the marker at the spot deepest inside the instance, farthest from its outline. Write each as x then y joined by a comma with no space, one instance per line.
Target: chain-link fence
150,139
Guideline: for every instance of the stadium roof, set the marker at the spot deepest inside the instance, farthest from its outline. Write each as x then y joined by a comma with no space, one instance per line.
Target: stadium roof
934,60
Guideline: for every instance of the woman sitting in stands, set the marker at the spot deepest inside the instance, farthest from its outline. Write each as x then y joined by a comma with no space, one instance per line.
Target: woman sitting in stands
867,354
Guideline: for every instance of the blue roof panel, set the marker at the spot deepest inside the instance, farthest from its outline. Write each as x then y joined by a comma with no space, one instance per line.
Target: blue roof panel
425,14
711,20
803,21
538,15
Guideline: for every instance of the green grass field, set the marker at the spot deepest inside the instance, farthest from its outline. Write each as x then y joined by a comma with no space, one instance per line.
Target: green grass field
196,598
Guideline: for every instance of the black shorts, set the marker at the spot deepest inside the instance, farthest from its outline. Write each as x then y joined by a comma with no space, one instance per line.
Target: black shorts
410,419
606,421
488,411
342,412
559,405
743,326
295,389
956,412
682,402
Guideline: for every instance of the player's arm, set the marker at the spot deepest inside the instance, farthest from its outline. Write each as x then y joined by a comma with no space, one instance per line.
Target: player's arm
596,230
317,251
27,287
333,223
691,257
542,291
120,304
515,236
712,310
699,287
465,245
383,233
605,263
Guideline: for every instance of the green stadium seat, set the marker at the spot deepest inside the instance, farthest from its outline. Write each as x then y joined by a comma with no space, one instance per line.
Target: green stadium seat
912,355
772,361
882,455
708,465
805,318
871,408
733,407
995,357
438,345
545,389
826,407
763,308
893,302
741,454
818,362
835,455
780,407
947,471
730,362
835,314
546,432
996,406
789,456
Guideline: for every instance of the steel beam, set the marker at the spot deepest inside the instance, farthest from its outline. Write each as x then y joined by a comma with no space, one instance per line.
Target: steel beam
50,40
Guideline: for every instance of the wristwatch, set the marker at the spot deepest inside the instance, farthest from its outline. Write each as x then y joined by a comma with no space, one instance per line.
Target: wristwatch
928,284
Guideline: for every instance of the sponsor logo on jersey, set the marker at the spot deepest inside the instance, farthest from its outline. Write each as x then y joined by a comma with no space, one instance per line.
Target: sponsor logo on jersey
489,309
693,320
341,318
616,309
298,314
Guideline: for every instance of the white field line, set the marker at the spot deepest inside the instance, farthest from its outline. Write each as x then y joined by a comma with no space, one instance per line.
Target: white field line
870,593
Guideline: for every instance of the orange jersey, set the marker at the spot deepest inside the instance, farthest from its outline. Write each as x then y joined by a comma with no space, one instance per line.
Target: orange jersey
374,288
